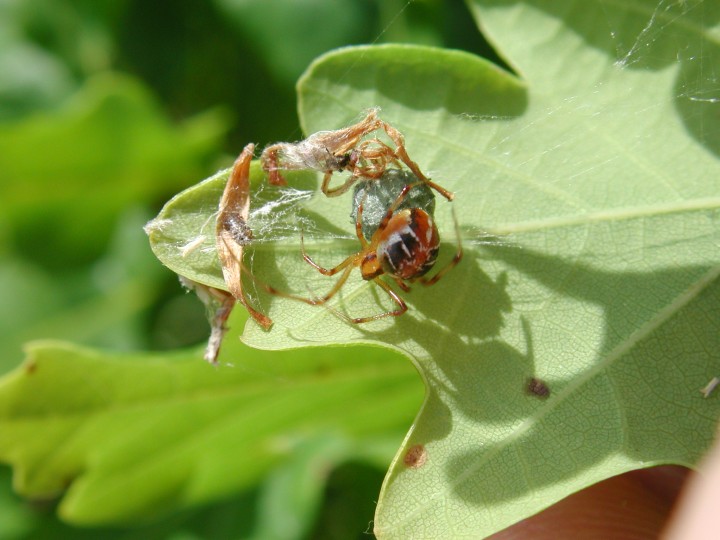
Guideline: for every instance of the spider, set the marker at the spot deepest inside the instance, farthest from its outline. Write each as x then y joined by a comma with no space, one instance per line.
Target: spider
344,150
403,246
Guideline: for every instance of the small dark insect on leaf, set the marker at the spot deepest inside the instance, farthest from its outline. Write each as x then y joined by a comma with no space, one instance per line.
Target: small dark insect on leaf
238,229
538,388
232,232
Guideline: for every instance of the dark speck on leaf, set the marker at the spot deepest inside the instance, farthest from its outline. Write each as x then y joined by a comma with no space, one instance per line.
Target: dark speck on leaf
415,457
538,388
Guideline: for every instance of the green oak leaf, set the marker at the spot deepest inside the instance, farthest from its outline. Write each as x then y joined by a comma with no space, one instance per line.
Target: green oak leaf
108,147
94,427
302,26
595,172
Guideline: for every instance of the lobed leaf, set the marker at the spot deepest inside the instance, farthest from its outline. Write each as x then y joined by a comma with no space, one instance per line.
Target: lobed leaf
173,432
597,169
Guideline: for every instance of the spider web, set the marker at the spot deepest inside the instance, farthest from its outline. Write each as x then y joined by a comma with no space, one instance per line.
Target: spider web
279,217
656,31
527,164
282,220
599,205
572,342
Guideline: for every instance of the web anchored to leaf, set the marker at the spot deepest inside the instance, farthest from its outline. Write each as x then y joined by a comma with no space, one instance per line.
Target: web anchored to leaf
393,206
276,215
598,163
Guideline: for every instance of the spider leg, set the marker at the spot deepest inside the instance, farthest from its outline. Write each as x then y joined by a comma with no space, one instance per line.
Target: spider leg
390,211
358,226
311,301
402,154
401,305
452,264
314,301
402,308
377,155
346,140
357,172
351,260
400,283
339,190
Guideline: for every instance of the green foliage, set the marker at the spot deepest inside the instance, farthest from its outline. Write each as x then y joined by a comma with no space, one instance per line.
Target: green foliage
114,421
587,196
602,186
300,30
77,200
130,153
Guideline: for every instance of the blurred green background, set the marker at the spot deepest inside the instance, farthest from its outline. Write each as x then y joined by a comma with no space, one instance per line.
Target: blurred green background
107,109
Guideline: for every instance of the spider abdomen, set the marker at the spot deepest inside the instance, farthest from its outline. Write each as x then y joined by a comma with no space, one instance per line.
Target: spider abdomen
408,246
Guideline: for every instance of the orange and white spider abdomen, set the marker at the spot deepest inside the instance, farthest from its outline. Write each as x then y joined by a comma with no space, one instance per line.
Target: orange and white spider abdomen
408,246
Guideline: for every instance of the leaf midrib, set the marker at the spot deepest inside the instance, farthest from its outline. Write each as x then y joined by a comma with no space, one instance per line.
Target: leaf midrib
612,215
214,392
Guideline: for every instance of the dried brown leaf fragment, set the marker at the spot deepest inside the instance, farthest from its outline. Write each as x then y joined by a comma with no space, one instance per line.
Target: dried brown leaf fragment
232,232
